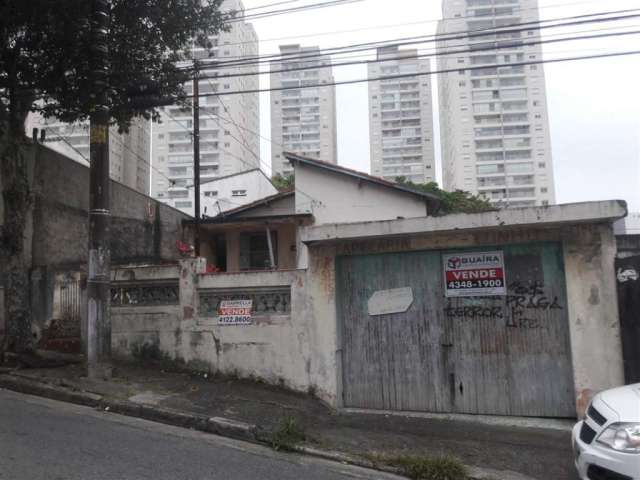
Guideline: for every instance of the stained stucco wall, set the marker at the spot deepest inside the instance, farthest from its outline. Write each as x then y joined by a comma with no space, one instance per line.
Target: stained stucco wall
589,252
338,198
142,228
302,349
293,349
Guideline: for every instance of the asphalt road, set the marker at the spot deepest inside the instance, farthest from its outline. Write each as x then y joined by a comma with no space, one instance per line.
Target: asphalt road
45,439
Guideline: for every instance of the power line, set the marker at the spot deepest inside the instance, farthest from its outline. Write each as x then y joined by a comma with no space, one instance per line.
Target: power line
188,130
458,35
421,53
420,74
241,159
66,140
404,24
259,7
301,8
441,53
237,126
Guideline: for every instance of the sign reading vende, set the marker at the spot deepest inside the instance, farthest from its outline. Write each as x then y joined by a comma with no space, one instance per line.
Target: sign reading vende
474,274
235,312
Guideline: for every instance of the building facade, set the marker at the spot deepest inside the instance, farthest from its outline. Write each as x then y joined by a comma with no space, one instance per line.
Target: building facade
229,124
493,110
303,120
129,154
401,117
231,191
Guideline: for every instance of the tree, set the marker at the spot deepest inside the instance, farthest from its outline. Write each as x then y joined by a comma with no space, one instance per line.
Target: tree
457,201
283,182
45,67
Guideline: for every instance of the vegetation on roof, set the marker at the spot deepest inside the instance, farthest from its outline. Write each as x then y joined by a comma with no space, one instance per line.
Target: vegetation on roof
283,182
458,201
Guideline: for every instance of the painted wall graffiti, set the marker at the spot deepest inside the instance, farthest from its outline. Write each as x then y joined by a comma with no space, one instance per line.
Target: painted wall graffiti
526,306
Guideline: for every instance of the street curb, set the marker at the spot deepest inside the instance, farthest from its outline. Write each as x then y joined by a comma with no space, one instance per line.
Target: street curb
42,389
221,426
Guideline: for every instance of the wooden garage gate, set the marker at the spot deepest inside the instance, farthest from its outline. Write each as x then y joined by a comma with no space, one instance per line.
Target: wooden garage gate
502,355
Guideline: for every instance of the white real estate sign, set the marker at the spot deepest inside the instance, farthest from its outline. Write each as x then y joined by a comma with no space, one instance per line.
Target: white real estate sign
235,312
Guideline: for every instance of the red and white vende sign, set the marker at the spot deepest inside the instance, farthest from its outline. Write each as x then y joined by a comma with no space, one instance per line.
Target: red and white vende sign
474,274
235,312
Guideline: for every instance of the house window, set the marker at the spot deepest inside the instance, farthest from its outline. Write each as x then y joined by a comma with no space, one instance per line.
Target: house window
183,204
254,250
238,193
211,194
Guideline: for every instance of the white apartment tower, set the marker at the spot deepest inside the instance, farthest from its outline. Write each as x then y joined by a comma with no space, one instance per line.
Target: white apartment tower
303,120
401,116
129,158
493,114
229,124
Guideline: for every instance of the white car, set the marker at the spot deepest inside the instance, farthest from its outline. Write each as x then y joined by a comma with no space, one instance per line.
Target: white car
606,443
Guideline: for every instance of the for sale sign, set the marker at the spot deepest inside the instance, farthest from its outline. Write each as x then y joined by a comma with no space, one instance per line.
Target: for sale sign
235,312
474,274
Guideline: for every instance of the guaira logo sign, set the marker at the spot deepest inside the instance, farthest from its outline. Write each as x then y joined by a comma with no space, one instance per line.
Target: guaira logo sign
473,274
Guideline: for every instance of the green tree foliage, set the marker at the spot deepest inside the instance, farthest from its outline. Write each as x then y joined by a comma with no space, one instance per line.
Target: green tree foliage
45,67
457,201
283,182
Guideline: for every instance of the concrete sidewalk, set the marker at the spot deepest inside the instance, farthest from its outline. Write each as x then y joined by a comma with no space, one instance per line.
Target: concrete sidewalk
254,411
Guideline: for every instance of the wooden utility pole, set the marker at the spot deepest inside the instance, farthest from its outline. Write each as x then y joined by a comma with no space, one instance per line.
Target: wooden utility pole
196,159
98,279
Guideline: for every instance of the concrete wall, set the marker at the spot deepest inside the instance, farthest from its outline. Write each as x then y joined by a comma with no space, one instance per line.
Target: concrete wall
301,349
589,257
592,304
337,198
295,349
142,229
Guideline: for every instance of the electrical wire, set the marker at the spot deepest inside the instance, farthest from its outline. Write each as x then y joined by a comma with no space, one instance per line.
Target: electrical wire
403,24
188,130
301,8
424,53
73,147
458,35
421,74
433,54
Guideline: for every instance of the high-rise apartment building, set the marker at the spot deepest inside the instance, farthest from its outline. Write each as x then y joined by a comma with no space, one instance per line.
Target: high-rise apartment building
493,112
129,156
401,117
229,124
303,120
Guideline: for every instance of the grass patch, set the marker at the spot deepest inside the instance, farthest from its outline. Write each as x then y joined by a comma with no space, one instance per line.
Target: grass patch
288,435
422,467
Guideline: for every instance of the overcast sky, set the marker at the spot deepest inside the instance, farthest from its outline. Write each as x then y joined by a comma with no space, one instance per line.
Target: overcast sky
594,105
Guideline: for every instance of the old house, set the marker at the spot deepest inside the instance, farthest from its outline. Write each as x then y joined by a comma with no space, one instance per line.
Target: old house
264,234
349,287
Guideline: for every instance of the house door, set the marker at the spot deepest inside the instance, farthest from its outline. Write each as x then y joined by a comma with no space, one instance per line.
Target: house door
502,355
628,277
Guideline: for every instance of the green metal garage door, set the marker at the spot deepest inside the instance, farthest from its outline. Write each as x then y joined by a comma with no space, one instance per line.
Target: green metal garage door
502,355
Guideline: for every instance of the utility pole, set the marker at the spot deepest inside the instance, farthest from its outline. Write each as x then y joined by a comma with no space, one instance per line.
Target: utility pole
98,279
196,157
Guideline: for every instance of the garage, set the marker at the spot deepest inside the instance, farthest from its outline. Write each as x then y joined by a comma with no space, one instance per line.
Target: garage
410,342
